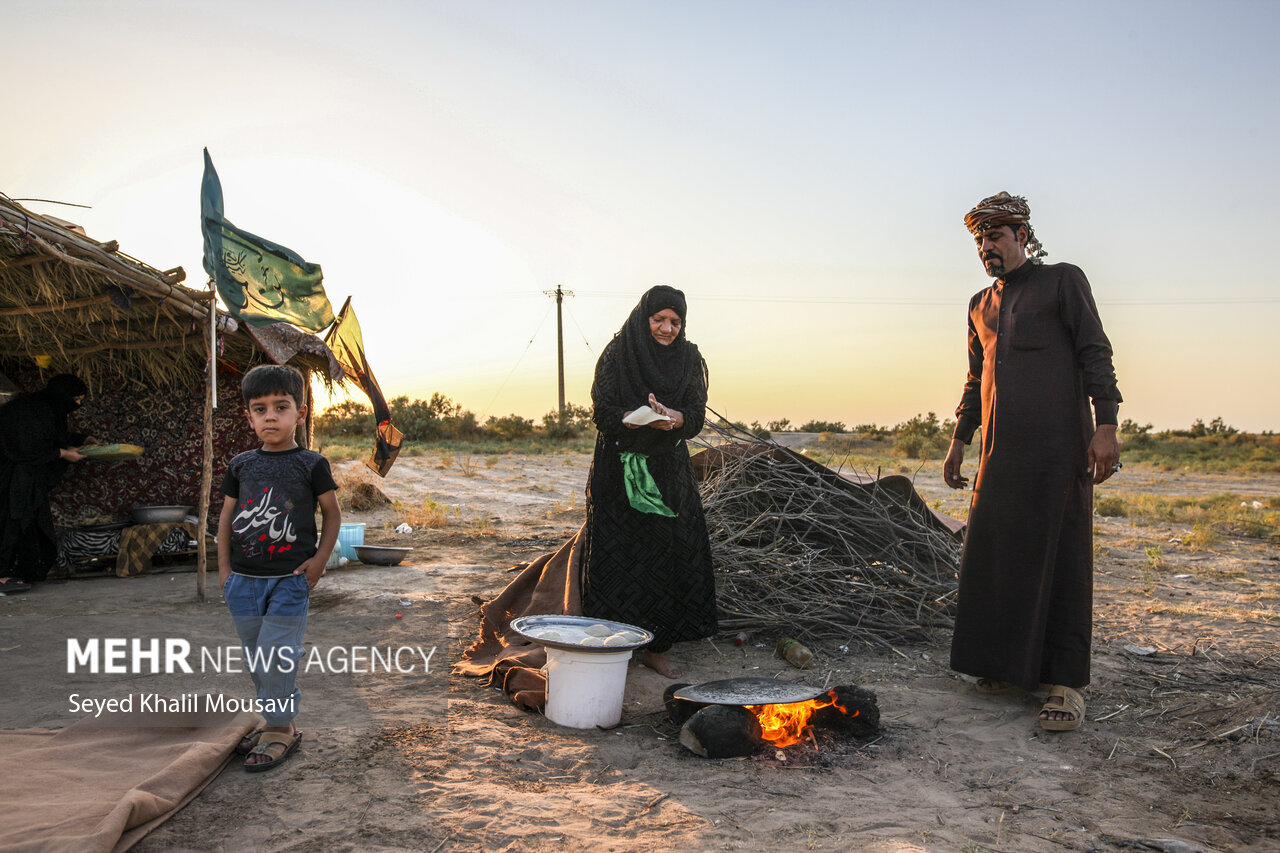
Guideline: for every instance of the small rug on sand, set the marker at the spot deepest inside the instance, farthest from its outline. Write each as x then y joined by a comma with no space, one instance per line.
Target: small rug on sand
89,787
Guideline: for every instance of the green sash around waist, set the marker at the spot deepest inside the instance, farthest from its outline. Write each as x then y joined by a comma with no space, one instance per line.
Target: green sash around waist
642,491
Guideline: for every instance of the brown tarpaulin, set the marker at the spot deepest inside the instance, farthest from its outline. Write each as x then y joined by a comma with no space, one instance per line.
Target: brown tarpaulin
90,788
547,586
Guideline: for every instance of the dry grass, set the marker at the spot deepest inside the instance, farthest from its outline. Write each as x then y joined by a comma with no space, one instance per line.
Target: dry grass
358,490
429,514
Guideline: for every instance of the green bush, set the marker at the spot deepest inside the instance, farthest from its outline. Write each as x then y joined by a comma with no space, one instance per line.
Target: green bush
922,437
575,421
509,427
822,426
1110,507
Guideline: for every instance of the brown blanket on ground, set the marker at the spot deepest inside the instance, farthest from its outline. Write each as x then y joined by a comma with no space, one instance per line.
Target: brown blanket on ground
90,788
547,586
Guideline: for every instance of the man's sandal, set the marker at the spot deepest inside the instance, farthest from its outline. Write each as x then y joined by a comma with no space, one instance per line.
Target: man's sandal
265,741
248,742
1072,703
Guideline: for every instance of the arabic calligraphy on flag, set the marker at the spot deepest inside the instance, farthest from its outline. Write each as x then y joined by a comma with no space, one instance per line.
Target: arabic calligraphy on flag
259,281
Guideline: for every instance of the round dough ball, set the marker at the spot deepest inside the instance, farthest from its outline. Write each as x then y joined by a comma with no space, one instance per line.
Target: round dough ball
553,636
619,639
593,641
599,631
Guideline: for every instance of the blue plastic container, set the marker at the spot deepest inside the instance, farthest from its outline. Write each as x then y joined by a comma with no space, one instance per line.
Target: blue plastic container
349,536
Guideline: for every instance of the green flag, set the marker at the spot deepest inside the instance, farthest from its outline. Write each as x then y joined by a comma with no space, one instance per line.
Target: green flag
261,282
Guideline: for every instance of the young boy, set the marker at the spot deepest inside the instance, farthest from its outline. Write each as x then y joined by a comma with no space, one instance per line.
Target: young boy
268,557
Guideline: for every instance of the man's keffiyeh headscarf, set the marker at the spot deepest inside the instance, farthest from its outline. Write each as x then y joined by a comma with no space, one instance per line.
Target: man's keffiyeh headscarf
1004,209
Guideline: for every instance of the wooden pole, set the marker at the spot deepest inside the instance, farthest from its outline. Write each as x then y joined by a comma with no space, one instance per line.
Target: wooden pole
206,470
560,346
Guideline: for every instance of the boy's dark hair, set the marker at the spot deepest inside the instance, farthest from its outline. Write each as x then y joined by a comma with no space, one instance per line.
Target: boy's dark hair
268,379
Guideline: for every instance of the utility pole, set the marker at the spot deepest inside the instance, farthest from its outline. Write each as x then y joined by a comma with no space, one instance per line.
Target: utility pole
559,293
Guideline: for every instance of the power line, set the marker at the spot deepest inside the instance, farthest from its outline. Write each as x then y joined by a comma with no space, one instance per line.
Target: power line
862,300
590,349
518,360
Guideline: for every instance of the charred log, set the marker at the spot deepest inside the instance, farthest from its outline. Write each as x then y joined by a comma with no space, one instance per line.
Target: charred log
679,710
722,731
855,712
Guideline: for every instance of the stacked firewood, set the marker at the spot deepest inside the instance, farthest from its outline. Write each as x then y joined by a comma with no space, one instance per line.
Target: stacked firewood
803,551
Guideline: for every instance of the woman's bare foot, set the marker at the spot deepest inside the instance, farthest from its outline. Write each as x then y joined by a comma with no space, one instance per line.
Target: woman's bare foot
657,661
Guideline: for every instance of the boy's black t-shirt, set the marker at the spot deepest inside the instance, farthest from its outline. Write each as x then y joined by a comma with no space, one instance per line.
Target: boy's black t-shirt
273,528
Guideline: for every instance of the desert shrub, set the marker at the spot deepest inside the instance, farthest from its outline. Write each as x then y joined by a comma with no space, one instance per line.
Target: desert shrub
779,425
432,420
350,417
1215,447
1202,535
428,514
575,421
822,426
922,437
420,420
508,427
872,431
1110,507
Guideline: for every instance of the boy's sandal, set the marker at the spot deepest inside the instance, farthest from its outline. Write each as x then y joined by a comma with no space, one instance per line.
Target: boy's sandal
13,585
265,741
1072,703
248,742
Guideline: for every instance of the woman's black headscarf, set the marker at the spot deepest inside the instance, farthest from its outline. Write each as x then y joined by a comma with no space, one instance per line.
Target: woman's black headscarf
61,392
646,366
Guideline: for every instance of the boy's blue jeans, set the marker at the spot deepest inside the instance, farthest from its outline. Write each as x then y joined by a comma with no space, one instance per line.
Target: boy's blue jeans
271,619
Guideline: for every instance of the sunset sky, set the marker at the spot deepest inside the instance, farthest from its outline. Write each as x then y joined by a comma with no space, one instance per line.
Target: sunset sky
800,169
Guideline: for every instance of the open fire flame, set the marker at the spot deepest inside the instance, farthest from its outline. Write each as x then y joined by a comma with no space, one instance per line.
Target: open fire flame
785,725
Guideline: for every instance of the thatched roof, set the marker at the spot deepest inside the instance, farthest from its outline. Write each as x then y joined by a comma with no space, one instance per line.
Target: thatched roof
98,313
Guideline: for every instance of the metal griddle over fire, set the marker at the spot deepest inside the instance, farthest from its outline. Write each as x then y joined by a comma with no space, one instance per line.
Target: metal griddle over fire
748,691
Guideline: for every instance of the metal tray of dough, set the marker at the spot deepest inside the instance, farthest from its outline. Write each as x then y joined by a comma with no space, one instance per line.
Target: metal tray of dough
529,626
748,691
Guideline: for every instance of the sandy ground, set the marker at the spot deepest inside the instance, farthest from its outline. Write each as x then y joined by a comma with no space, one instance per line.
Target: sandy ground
1181,745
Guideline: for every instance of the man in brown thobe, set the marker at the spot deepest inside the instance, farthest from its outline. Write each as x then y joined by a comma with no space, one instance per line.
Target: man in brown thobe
1037,356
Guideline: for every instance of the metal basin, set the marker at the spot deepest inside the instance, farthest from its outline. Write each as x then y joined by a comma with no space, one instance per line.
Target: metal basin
570,633
748,691
159,514
381,555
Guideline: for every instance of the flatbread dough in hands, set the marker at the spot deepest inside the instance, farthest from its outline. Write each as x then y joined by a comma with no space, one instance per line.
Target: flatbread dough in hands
644,415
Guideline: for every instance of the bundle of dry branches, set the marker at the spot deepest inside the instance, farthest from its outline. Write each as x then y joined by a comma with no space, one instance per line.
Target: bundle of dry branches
802,550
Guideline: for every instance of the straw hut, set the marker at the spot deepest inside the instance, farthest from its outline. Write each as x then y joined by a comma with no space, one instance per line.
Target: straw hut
139,339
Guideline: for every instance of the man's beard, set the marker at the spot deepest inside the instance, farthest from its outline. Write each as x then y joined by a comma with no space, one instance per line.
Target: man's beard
994,266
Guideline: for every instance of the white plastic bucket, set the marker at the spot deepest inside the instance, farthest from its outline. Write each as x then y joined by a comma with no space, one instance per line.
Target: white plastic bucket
584,689
349,536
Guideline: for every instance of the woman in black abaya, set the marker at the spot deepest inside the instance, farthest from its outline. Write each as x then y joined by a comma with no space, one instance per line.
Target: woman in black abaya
646,557
35,448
